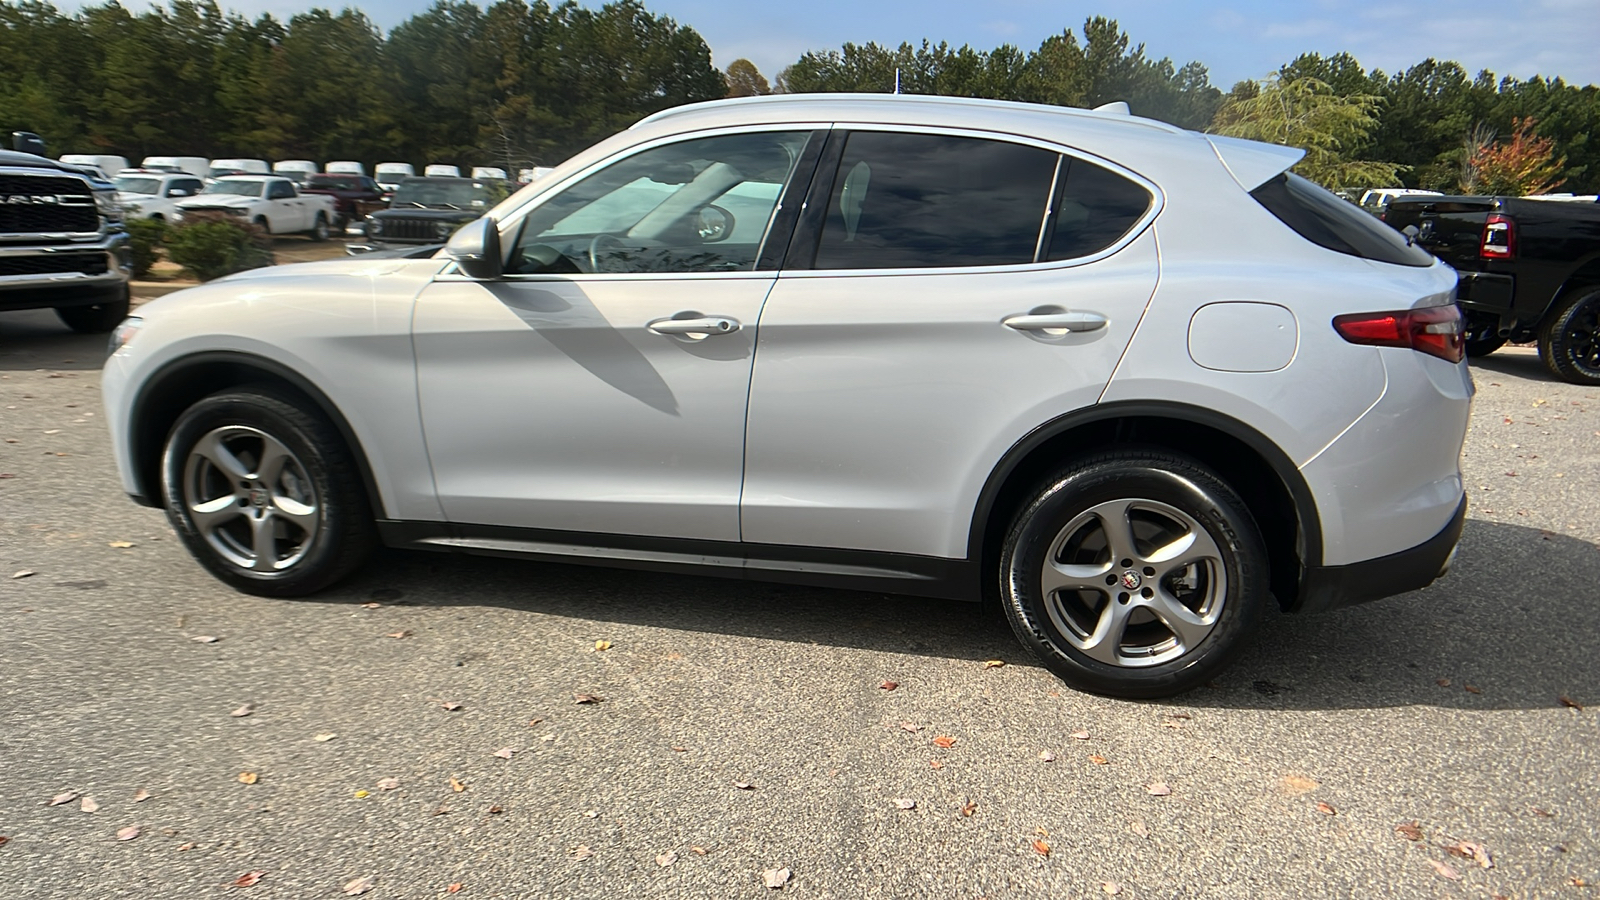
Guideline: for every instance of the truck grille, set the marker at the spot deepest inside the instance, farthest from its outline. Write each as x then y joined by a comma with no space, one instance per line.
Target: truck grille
41,204
409,229
55,264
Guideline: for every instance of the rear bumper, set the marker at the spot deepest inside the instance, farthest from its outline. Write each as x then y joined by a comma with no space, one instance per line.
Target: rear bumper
1485,292
1329,587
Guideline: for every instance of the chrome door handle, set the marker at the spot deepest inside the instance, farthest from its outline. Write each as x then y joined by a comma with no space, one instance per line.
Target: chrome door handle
702,326
1063,321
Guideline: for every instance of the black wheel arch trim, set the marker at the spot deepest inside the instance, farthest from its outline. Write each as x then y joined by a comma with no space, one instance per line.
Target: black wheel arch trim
140,440
1333,587
1310,523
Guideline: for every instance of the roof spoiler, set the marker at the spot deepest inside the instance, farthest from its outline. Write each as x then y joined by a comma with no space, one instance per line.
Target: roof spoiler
1253,163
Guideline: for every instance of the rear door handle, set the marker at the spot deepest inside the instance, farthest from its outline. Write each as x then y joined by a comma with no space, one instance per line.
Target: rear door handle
1062,321
698,327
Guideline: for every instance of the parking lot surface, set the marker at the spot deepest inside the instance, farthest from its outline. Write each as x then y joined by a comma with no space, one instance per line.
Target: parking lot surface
418,729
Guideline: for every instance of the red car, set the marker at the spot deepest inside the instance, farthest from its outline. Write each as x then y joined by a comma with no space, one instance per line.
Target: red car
354,195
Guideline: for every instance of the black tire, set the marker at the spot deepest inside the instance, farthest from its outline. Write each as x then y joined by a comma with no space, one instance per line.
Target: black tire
318,475
1146,658
98,318
261,223
319,229
1569,339
1483,335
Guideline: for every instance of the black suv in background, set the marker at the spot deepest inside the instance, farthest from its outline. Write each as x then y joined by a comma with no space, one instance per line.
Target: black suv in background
62,243
427,210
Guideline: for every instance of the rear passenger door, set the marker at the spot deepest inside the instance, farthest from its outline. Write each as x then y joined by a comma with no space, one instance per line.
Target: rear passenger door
945,293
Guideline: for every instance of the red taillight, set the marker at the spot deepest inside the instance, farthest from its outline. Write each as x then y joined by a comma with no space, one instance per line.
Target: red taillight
1434,330
1499,237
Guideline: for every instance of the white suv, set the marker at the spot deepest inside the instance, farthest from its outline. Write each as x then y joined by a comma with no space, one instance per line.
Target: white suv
1136,382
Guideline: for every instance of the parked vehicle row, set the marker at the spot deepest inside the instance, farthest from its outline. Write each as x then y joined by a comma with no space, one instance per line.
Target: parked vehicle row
270,202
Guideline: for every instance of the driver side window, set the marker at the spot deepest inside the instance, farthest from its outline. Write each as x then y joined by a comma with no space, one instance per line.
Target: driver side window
700,205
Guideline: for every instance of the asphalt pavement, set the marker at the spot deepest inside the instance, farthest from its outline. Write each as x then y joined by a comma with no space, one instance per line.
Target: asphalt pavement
417,729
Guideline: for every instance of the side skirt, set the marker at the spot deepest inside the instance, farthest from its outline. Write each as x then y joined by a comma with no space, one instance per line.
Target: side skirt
893,573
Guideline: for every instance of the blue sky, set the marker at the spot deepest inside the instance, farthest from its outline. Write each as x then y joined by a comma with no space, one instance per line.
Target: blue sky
1236,39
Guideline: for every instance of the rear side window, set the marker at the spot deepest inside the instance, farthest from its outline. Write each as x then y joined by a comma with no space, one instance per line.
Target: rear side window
1096,208
1325,220
925,200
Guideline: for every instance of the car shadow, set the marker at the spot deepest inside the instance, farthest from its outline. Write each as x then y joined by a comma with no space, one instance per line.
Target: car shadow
1512,627
36,339
1523,362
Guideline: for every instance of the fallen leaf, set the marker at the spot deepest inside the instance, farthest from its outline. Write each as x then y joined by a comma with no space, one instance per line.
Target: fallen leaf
1097,759
667,858
548,738
944,741
1042,831
88,805
1445,870
128,834
995,664
744,785
204,639
449,705
1542,813
698,850
1159,789
677,749
3,839
1472,690
63,797
970,808
1297,784
1570,703
362,795
1575,881
906,804
1079,735
1111,887
1138,827
1040,847
1047,756
533,722
1443,682
505,752
1411,831
371,605
1327,809
582,851
910,726
188,845
776,878
457,784
324,737
889,685
22,573
387,784
358,885
243,711
399,634
120,545
1471,851
602,645
141,795
587,698
592,814
248,778
453,887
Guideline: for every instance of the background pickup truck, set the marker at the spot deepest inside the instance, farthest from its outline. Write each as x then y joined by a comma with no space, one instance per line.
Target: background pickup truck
354,195
270,202
1530,271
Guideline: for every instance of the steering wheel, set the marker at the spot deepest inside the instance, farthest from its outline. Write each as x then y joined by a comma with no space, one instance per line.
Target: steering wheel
598,246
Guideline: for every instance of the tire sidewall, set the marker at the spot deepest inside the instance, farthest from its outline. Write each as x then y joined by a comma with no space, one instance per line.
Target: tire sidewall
1554,347
265,412
1172,481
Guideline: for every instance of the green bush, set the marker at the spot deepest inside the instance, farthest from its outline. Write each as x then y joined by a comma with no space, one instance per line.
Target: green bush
144,242
211,245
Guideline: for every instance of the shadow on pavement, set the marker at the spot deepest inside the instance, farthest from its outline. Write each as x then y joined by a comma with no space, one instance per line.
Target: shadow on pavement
1516,619
36,339
1520,361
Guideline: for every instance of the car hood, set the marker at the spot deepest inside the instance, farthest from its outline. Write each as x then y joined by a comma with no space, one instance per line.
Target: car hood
216,201
353,266
130,196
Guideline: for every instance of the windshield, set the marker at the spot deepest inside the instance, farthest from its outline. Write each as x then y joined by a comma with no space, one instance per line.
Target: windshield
131,185
239,188
447,193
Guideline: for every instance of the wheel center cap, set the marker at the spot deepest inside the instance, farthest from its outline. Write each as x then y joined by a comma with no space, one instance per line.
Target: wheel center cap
258,498
1131,580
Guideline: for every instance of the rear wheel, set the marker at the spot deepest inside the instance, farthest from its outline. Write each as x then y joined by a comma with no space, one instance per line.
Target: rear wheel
1134,573
98,318
1569,340
264,493
1483,335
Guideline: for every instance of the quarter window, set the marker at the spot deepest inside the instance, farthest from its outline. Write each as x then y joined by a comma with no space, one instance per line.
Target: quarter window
701,205
1095,209
923,200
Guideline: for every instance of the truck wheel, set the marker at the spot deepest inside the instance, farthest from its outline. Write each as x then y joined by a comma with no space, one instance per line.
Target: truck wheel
96,319
1569,340
319,231
1483,335
261,223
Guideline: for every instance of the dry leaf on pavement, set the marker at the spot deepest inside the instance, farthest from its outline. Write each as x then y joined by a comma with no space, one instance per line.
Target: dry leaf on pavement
63,797
1473,851
141,795
1327,809
1047,756
910,726
1097,759
1159,789
587,698
1111,887
88,805
22,573
449,705
1409,830
399,634
205,639
1472,690
324,737
995,664
243,711
358,885
1138,827
776,878
453,887
602,645
667,858
934,763
744,785
128,834
970,808
1040,847
120,545
248,778
4,840
889,685
387,784
505,752
1445,870
944,741
582,851
1298,784
457,784
1570,703
698,850
1079,735
371,605
906,804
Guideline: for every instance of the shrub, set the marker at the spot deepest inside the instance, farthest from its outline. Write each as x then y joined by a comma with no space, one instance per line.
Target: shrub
144,242
211,245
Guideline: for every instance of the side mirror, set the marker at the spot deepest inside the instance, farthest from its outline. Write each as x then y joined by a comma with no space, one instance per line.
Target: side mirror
476,249
713,223
27,142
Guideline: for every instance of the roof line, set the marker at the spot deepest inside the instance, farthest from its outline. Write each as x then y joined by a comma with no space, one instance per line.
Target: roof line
930,99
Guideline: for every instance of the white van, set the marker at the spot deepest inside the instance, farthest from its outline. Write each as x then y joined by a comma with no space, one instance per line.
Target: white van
488,172
111,165
390,174
197,166
296,170
346,167
220,167
440,170
526,176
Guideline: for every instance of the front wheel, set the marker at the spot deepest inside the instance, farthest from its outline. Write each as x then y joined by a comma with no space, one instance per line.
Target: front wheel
319,229
265,494
1569,341
1134,573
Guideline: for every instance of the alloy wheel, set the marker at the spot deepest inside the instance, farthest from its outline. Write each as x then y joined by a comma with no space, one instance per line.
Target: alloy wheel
251,499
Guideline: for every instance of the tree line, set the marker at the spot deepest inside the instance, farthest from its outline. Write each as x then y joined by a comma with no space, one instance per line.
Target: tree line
518,84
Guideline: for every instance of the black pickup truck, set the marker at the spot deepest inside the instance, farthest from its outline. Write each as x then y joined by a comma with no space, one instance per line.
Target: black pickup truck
1530,271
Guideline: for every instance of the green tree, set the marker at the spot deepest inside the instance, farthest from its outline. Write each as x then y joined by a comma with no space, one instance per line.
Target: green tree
745,80
1307,113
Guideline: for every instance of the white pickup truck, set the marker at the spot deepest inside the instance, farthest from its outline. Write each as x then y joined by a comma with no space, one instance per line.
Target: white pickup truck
270,202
